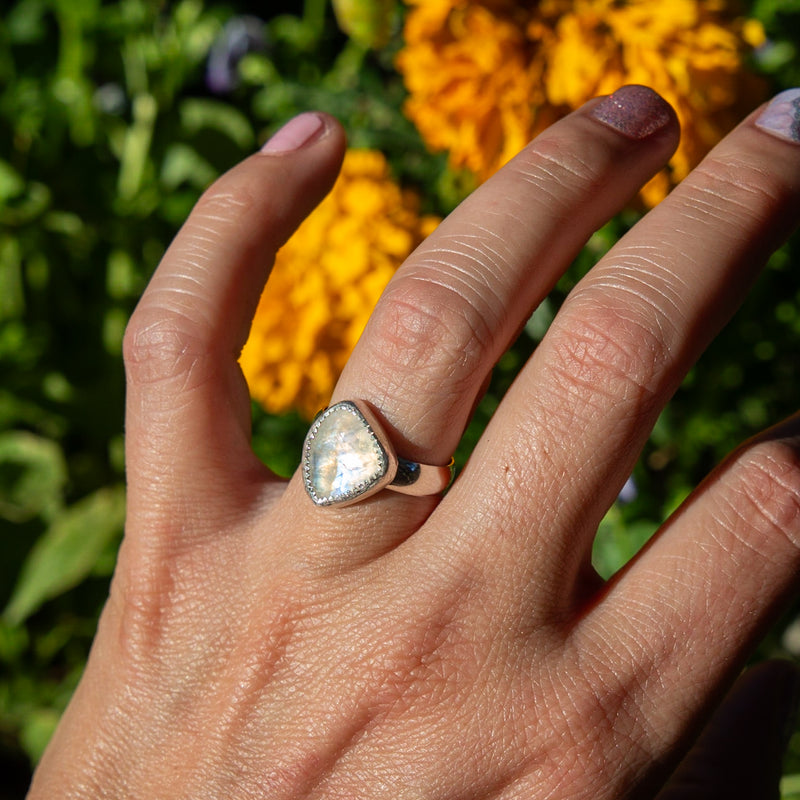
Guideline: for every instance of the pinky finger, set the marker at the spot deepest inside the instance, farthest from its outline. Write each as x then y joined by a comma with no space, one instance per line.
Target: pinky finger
687,611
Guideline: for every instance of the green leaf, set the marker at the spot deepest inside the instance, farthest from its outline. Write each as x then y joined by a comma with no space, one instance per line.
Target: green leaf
37,731
122,278
136,150
25,21
12,292
13,643
617,542
67,551
32,476
11,183
790,787
368,22
197,114
184,165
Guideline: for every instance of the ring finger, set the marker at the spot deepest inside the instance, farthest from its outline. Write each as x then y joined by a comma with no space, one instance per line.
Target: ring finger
457,302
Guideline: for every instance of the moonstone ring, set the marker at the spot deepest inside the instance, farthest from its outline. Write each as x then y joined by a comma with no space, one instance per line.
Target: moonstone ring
347,457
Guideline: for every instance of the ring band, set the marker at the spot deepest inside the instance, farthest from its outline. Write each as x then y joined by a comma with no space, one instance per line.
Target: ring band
348,457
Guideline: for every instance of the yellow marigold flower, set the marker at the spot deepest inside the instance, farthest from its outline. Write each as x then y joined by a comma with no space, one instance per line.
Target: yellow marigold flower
466,69
485,76
325,283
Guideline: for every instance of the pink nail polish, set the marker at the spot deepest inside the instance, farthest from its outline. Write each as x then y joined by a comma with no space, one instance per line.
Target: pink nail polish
781,117
294,134
635,111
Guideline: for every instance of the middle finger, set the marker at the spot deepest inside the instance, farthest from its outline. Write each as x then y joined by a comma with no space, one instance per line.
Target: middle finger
455,305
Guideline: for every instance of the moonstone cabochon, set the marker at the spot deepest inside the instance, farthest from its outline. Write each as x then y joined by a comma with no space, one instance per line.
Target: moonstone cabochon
343,458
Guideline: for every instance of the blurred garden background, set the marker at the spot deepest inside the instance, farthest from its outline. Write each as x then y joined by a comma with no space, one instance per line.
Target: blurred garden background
114,116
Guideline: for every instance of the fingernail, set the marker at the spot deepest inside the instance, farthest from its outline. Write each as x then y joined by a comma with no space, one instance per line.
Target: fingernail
781,117
635,111
294,134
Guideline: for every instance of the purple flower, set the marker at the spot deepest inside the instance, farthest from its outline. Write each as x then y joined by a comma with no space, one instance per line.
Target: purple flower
241,35
628,493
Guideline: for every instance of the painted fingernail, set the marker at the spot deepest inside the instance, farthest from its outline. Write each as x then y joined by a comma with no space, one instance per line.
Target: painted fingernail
294,134
781,117
635,111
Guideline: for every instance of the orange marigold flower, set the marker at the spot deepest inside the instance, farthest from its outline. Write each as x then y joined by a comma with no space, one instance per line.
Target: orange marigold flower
325,283
485,76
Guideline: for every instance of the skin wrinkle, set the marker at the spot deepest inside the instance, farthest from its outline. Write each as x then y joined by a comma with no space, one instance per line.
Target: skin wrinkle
160,350
416,684
551,201
569,773
661,327
422,322
613,700
621,359
737,173
217,210
768,480
156,352
162,363
198,249
160,291
183,294
716,196
487,272
479,268
705,207
702,212
575,387
560,164
449,268
632,268
728,519
195,276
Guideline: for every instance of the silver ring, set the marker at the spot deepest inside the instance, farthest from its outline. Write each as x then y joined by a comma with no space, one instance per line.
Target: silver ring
348,457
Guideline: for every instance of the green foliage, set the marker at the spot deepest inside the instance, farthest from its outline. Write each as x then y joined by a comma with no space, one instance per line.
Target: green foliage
109,132
68,551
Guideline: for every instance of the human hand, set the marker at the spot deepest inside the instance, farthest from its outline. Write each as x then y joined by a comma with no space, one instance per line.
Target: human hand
255,645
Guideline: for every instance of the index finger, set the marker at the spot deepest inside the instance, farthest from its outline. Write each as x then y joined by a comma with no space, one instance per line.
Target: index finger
188,412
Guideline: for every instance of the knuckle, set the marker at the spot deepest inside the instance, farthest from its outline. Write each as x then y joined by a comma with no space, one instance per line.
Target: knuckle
429,333
764,495
159,347
610,350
